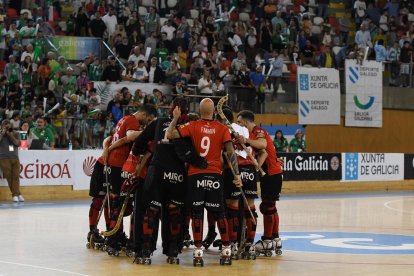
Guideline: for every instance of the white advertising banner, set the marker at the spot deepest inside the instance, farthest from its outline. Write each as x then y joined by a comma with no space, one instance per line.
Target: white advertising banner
56,167
363,106
372,166
319,96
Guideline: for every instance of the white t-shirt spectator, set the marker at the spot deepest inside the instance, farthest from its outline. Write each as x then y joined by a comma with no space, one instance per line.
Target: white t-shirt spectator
141,74
136,58
206,90
169,30
110,23
360,8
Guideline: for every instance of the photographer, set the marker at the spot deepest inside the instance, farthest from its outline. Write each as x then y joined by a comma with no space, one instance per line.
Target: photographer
9,158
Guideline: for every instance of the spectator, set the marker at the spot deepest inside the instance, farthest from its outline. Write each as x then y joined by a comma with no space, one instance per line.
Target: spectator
138,99
307,54
81,22
129,72
276,74
136,56
152,21
141,73
97,27
151,42
237,62
405,59
297,144
9,159
363,37
258,81
394,57
112,72
95,70
280,142
15,120
155,73
205,84
380,51
82,81
13,71
360,11
327,58
244,94
110,21
44,136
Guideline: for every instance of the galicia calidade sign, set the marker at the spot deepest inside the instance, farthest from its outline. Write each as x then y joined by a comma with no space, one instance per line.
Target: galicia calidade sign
347,243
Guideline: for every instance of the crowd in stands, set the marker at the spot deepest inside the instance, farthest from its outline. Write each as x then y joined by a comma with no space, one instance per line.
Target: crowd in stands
194,46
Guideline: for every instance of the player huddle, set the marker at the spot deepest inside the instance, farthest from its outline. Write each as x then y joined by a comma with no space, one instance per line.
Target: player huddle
170,170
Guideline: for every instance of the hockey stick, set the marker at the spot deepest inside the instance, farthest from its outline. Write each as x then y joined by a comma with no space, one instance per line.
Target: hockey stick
241,190
228,124
107,189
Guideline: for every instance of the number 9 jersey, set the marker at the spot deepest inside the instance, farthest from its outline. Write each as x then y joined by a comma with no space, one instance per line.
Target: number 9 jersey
208,137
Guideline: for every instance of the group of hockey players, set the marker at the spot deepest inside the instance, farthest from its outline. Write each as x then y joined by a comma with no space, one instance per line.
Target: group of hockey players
170,170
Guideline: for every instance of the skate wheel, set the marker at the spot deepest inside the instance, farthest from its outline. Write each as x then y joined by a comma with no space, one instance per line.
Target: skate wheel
178,261
254,257
278,252
88,245
268,253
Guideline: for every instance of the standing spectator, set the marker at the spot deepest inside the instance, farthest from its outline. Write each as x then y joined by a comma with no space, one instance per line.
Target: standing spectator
307,54
394,57
265,36
405,59
4,90
280,142
112,72
45,135
97,27
363,37
237,62
276,74
323,8
360,11
327,58
244,94
393,8
136,56
9,159
110,21
141,73
152,21
128,73
298,143
82,80
258,81
95,70
155,73
380,51
3,34
13,70
205,84
81,22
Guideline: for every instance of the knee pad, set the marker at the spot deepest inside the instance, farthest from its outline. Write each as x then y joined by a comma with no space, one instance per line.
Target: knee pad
268,208
175,218
150,221
97,203
197,213
221,221
218,215
231,212
247,214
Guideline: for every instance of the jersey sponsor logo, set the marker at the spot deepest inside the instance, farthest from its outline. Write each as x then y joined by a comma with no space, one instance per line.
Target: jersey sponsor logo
235,193
208,130
247,176
88,165
198,203
156,203
247,192
126,175
208,184
214,205
172,176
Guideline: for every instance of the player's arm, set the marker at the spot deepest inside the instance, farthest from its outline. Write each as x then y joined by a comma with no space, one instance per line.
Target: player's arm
232,159
106,143
172,132
258,143
141,141
261,157
131,135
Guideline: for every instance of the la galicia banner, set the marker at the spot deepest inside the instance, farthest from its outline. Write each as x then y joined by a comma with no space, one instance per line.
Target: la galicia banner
311,166
363,106
372,166
76,48
319,96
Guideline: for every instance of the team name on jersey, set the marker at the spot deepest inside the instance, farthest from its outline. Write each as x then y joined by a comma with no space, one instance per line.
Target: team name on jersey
247,176
208,130
173,176
208,184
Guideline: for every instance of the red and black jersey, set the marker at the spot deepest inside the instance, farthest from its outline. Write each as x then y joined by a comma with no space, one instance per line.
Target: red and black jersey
208,137
118,156
272,166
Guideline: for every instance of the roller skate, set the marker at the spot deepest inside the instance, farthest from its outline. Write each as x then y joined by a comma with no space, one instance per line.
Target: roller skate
172,256
248,252
264,247
217,243
225,255
211,236
187,239
95,241
198,257
113,247
145,258
234,251
277,245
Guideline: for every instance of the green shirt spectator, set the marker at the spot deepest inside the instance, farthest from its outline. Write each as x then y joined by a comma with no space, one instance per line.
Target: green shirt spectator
298,144
42,133
280,142
161,53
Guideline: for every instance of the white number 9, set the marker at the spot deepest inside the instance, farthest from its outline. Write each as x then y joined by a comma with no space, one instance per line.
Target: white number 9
205,145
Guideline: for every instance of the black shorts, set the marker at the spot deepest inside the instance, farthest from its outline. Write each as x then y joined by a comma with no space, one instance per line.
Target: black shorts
164,186
96,186
249,178
115,179
205,190
271,186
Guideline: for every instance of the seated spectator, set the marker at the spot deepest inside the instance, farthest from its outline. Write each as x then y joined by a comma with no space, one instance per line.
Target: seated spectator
123,50
136,56
95,70
258,81
280,142
129,72
297,144
42,137
141,73
205,84
155,73
218,87
112,72
307,54
138,99
82,81
363,37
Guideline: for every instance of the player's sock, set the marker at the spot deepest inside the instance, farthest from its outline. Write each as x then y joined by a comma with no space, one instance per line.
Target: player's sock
251,226
223,228
94,212
174,220
233,222
275,233
211,222
197,217
268,209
